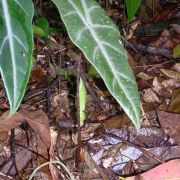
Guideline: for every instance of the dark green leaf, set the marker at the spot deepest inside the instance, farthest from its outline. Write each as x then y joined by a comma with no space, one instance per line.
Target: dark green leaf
98,38
132,7
16,44
42,23
39,31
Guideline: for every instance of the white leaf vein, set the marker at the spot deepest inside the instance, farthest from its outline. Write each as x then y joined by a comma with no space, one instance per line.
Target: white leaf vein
12,48
88,23
21,7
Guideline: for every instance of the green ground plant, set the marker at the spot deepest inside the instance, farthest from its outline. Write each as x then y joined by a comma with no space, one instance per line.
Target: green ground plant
89,29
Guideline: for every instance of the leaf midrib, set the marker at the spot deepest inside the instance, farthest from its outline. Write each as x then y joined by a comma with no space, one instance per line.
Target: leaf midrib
93,33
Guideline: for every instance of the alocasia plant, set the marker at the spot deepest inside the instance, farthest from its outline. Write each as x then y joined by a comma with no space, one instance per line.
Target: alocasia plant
90,30
98,38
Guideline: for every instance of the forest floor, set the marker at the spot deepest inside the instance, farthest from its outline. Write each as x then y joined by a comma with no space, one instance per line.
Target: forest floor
46,127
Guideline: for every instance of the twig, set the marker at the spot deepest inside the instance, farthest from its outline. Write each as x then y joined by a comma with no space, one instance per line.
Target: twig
78,150
13,152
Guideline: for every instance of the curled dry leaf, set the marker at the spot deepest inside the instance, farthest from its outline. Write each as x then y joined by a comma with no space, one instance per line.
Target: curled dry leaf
144,76
170,122
150,96
171,73
157,85
133,26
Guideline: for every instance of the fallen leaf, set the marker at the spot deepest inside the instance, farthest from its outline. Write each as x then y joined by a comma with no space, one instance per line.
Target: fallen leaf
157,85
117,122
38,121
131,61
113,153
90,162
170,122
170,83
150,96
12,122
171,73
22,158
175,101
88,131
38,75
144,76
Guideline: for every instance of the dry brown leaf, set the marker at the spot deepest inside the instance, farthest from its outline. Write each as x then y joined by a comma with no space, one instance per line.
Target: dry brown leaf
117,122
157,85
53,170
150,96
90,162
144,76
171,73
88,131
175,101
22,158
4,136
131,61
132,28
12,122
170,122
164,41
38,121
38,75
169,83
93,166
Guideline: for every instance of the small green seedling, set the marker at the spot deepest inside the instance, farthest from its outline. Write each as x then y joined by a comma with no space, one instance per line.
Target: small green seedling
82,101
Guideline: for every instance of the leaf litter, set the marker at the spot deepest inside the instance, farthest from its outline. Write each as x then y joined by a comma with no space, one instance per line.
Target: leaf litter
45,126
